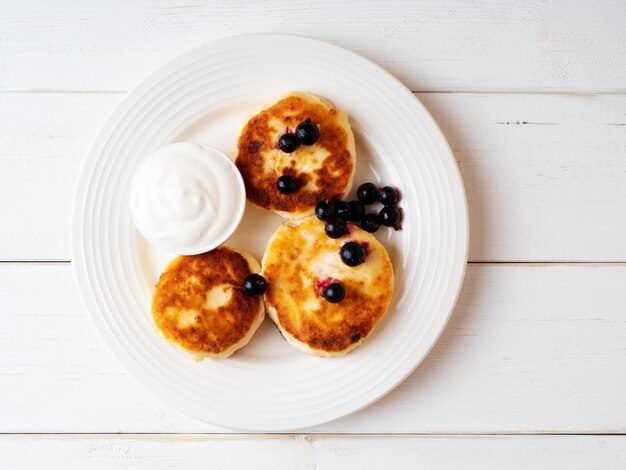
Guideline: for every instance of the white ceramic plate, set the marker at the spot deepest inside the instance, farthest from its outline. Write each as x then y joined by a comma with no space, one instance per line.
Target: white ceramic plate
206,95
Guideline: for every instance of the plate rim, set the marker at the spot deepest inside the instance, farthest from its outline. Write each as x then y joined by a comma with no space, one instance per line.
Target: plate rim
91,155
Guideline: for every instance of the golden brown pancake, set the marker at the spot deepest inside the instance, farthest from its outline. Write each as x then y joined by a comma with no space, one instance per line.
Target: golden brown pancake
299,260
199,303
322,170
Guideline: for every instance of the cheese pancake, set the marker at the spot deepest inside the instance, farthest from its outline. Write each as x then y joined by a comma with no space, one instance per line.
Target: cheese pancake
322,171
199,303
299,261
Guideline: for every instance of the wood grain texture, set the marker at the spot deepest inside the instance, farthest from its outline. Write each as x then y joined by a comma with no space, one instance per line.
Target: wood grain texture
44,141
429,45
154,453
530,349
312,452
462,453
545,175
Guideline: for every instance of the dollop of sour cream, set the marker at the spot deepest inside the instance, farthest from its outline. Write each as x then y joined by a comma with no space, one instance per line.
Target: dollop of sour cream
187,198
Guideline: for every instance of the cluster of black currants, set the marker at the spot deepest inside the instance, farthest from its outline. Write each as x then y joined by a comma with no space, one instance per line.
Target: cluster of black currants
307,133
389,216
336,214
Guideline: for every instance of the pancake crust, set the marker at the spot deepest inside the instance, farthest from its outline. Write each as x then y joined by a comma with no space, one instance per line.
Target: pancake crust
322,170
298,261
199,304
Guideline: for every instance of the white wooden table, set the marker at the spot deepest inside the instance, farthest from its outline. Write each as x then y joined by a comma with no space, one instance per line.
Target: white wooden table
531,370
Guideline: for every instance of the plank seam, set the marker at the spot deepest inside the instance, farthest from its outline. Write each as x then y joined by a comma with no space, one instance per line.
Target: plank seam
468,91
312,434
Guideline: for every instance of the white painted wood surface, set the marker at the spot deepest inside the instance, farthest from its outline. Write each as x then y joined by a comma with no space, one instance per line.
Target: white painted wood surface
193,452
531,96
545,174
430,45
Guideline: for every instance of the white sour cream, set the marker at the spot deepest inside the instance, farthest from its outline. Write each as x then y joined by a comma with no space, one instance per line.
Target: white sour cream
187,198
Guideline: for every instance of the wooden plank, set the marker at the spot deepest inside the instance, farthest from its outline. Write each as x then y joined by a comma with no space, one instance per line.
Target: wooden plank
545,174
462,452
312,452
529,349
44,140
429,45
155,452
